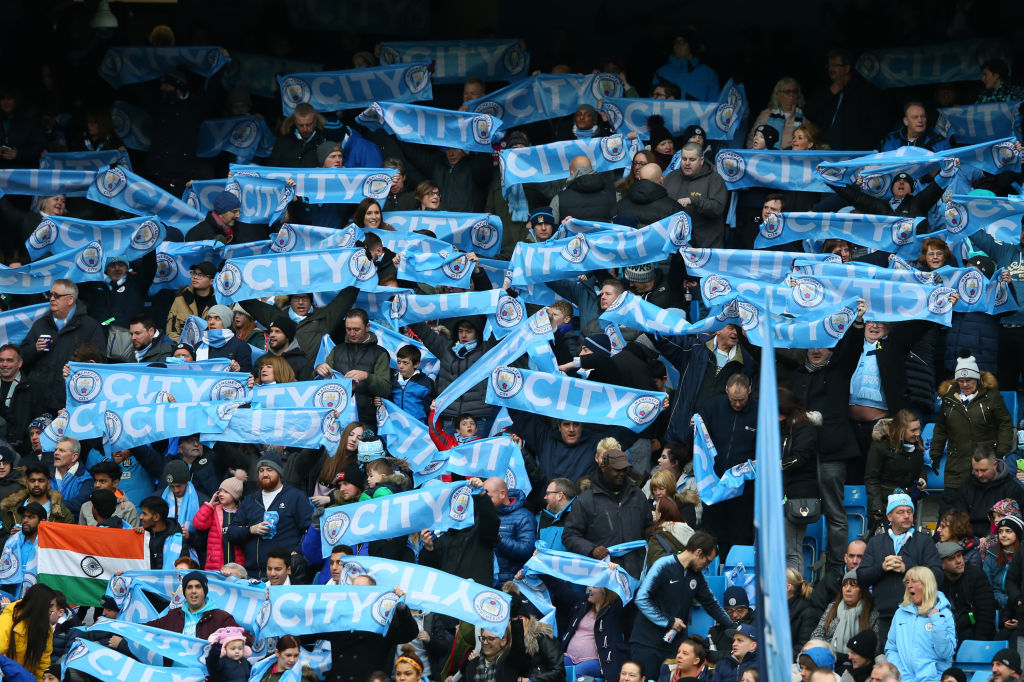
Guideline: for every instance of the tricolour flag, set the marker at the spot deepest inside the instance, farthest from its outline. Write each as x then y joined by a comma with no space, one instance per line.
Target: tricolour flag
80,560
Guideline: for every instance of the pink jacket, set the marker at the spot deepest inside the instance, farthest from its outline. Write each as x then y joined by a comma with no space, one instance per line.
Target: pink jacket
210,517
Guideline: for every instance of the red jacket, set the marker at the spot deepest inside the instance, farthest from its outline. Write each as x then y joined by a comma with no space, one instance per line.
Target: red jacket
210,517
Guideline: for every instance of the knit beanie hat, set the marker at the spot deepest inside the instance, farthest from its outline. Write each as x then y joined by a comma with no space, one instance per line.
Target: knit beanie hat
599,343
225,202
233,486
272,460
1014,523
864,643
285,324
967,368
770,134
196,575
224,313
898,499
640,273
324,150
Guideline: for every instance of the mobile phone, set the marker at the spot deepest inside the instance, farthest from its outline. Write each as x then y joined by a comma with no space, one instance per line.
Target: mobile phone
1020,464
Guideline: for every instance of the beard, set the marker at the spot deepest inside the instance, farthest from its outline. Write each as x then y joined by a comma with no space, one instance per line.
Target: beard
268,483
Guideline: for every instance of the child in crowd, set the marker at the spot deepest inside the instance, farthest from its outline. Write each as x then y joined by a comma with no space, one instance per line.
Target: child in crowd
381,480
465,431
411,389
228,657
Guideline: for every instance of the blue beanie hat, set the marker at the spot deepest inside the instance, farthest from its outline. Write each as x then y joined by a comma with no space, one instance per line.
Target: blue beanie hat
224,202
898,499
196,575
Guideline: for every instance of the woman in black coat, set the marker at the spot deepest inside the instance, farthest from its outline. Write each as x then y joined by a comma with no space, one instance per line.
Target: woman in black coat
799,466
602,610
803,617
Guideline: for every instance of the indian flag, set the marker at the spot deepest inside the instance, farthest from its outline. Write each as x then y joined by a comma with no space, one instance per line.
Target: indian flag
80,560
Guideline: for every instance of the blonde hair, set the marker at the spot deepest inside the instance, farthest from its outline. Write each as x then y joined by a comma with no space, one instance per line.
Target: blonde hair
606,444
801,586
780,85
927,579
663,479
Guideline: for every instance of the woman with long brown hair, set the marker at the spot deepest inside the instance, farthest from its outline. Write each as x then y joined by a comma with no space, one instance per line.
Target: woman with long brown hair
895,460
670,533
852,611
368,214
26,635
348,450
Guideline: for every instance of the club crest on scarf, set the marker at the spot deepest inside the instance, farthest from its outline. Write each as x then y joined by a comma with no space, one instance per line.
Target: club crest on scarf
514,60
10,565
146,236
330,428
606,85
830,174
838,322
44,235
284,240
938,300
244,134
399,306
295,90
491,607
483,234
643,410
808,292
459,504
903,232
229,279
361,267
384,606
507,381
111,182
577,249
417,78
114,427
490,108
613,148
956,216
510,312
227,389
377,186
540,323
1003,154
773,225
715,286
681,230
331,395
456,269
731,166
971,286
877,185
85,385
482,127
90,259
334,527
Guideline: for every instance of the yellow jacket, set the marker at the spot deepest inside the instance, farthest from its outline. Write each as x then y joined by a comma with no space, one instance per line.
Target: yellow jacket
6,627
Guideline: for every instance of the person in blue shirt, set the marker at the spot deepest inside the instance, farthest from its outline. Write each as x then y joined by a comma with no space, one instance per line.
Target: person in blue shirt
696,81
411,389
914,132
70,478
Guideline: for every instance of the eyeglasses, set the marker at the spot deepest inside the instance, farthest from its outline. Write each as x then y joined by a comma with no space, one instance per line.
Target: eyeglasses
640,164
196,273
435,193
53,295
487,640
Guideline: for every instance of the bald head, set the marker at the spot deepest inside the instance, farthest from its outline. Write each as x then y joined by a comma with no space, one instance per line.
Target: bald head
579,162
652,172
497,491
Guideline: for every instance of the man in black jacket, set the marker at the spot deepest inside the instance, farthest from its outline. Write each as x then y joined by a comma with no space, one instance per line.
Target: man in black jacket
612,511
647,282
363,361
17,401
888,557
647,201
356,655
301,133
122,293
990,481
969,592
281,342
468,552
147,342
902,203
588,195
219,223
52,340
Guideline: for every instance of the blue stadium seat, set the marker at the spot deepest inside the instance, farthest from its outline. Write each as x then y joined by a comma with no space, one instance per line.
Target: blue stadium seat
1010,398
809,558
981,675
714,568
739,554
976,654
855,500
816,535
700,622
936,478
716,583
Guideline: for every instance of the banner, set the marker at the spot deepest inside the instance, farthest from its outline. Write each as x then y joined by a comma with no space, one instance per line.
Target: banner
407,309
431,126
546,96
311,428
886,301
821,329
900,67
83,264
478,233
174,259
434,591
581,570
92,658
769,530
391,341
537,331
45,183
977,294
406,437
133,125
892,234
456,60
126,65
557,259
858,270
719,120
293,237
447,507
976,123
155,644
128,426
712,488
120,385
18,565
246,137
449,268
312,609
787,170
547,162
334,394
630,310
257,72
132,238
15,324
263,201
326,185
998,216
579,400
481,458
125,191
770,266
284,273
84,161
356,88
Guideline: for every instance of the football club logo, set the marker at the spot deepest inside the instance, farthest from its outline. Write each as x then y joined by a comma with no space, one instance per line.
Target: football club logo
576,250
507,381
330,428
90,259
399,306
483,234
417,78
510,312
837,323
113,427
514,60
956,216
146,236
383,607
680,231
457,268
229,279
284,240
731,166
903,232
84,385
606,85
877,185
971,286
491,606
714,286
696,258
643,410
613,148
377,186
938,300
482,127
490,108
244,134
227,389
540,323
332,395
614,114
294,91
334,527
44,235
1004,154
389,55
361,267
459,504
831,174
772,226
808,292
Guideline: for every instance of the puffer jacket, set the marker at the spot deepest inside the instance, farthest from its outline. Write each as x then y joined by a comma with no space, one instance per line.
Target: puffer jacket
453,366
210,517
647,202
517,533
709,197
996,574
888,468
977,331
921,647
802,619
543,652
612,648
959,430
920,370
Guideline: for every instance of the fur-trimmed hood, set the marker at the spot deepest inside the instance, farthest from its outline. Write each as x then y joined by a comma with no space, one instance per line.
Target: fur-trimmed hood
532,630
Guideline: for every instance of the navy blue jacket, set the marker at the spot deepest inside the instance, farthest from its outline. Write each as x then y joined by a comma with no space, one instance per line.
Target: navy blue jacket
612,650
294,515
415,397
235,349
554,457
733,432
517,533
